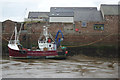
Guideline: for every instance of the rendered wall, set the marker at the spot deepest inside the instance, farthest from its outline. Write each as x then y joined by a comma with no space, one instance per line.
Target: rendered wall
61,19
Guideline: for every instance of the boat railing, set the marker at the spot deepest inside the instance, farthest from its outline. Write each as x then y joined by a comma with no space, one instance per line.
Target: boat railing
45,42
13,41
42,42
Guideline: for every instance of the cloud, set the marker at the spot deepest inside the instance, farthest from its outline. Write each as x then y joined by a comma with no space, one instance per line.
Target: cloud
13,10
16,9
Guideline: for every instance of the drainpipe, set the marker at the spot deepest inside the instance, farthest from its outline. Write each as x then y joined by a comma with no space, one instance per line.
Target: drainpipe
73,26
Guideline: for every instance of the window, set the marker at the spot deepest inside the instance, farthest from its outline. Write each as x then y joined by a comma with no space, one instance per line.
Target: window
52,14
84,24
49,45
40,17
98,26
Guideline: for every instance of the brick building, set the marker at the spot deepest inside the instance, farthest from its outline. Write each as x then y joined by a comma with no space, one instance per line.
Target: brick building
87,19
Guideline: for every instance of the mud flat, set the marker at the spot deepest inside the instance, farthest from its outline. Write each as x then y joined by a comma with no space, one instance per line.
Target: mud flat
77,66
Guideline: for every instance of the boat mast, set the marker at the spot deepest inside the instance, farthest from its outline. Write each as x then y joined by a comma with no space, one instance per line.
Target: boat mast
45,32
19,32
15,34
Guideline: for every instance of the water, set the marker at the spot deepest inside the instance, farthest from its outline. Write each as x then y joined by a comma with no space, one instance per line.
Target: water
79,66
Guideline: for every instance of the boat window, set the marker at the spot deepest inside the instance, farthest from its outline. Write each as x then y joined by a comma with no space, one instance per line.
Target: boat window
49,45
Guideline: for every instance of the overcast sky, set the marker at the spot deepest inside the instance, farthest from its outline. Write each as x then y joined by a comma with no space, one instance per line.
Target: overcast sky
17,10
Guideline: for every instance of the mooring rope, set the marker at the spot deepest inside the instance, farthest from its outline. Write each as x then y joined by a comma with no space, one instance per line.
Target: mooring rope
91,42
4,38
75,46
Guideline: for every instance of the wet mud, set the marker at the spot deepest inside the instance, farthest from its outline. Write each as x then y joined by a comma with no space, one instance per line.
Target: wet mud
79,66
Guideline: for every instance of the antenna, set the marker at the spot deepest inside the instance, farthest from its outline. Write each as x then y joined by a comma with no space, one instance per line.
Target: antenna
25,13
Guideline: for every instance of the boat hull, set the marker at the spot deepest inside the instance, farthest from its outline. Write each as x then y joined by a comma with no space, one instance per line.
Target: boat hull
35,54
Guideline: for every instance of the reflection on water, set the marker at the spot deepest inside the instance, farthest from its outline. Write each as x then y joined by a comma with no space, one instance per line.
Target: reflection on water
73,67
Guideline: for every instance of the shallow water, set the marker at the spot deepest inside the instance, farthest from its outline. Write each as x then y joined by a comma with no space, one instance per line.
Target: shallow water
73,67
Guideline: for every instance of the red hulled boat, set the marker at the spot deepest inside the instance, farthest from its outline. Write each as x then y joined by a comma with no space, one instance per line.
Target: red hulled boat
47,47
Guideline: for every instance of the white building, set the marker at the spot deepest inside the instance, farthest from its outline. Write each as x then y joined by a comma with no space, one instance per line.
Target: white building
62,17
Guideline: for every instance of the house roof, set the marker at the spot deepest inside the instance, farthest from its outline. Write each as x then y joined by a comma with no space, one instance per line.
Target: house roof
109,9
62,14
70,9
87,16
79,13
38,14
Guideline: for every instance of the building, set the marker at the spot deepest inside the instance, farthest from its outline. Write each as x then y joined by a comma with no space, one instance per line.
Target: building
87,14
74,14
67,15
88,20
108,10
78,14
110,16
37,16
61,17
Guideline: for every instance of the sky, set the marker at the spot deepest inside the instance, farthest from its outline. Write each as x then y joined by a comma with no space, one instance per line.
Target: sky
17,10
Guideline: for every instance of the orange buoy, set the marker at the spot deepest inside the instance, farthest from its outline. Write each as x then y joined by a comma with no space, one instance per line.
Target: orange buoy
49,40
76,29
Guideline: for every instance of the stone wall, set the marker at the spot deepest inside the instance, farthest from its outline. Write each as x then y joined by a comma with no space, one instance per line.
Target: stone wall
32,30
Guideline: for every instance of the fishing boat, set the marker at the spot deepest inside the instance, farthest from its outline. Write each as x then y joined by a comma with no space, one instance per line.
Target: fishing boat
47,46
